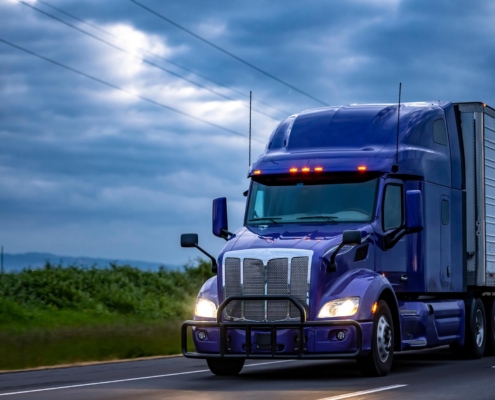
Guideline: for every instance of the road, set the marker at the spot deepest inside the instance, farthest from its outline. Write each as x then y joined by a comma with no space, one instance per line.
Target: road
425,375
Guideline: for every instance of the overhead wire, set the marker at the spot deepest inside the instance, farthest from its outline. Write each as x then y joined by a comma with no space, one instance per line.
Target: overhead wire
138,57
229,53
94,26
147,99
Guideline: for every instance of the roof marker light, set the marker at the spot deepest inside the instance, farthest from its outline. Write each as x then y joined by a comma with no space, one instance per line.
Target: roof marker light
257,172
362,168
318,169
293,170
306,169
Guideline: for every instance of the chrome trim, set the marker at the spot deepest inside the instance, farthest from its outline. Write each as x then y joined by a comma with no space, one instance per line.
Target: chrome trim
409,313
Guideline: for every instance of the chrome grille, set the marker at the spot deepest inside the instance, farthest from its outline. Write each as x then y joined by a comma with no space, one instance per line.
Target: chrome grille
298,285
282,272
276,282
233,285
254,283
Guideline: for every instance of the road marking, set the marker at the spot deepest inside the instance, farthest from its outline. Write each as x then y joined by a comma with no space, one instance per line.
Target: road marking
349,395
129,379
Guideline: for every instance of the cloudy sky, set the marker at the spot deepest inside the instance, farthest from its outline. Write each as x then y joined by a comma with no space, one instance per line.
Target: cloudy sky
87,169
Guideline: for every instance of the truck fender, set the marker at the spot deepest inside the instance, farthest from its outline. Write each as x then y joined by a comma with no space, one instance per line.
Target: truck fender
209,290
370,287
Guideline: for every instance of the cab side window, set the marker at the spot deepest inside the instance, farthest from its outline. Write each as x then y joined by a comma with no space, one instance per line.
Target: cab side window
439,132
392,207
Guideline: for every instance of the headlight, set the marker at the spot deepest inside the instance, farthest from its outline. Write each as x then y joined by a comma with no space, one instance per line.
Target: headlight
340,308
205,308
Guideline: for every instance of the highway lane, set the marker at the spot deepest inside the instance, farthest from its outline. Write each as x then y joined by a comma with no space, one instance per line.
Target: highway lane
426,375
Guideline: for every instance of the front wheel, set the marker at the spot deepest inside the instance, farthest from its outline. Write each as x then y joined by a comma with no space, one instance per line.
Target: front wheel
379,360
225,367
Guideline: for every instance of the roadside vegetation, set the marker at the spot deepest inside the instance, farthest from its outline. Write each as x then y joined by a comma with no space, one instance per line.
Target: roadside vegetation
58,315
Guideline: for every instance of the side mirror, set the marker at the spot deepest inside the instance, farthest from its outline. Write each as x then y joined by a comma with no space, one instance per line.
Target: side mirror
191,240
351,237
414,211
220,224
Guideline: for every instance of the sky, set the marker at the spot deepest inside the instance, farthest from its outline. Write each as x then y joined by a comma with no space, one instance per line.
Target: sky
89,170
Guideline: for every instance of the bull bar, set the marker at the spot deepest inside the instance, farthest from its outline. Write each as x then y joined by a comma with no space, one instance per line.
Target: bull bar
248,326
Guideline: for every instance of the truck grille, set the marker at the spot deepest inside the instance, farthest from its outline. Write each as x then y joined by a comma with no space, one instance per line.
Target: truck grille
280,274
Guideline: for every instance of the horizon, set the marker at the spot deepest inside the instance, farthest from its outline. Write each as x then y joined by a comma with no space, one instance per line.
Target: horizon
88,168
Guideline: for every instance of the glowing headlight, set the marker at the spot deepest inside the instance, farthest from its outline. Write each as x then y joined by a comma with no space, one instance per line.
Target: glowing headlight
205,308
340,308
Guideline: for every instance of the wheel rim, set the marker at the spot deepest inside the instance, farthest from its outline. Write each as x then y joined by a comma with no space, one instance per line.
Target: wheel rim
383,338
479,328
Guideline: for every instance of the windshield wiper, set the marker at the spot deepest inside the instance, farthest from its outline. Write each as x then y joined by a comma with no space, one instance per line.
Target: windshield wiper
274,220
325,217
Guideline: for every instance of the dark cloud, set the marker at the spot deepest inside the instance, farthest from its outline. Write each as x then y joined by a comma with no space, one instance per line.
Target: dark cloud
88,170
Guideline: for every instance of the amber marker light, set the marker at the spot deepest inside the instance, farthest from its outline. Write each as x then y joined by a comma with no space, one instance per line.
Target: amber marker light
306,169
318,169
362,168
374,308
293,170
257,172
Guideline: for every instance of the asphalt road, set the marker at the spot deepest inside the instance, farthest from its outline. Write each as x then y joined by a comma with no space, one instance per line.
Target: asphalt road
425,375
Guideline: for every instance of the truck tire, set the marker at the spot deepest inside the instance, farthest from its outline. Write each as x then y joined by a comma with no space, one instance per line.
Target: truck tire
490,324
476,332
379,360
225,367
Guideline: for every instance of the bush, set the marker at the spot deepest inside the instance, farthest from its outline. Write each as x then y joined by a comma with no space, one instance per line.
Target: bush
118,291
58,315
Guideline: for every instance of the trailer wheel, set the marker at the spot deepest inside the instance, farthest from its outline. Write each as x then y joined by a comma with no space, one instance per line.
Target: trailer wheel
379,360
476,332
490,317
225,367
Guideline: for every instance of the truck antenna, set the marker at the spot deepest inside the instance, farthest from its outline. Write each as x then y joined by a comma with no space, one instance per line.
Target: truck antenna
250,101
395,167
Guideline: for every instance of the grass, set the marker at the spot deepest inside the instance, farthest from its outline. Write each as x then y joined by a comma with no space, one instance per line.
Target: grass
59,315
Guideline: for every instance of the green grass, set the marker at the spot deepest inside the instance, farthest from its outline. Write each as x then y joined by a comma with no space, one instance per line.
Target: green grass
61,315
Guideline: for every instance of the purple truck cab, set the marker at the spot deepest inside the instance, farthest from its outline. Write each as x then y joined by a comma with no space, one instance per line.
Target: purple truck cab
362,237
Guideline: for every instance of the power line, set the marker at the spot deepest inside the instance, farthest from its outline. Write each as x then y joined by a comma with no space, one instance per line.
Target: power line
76,71
77,18
158,56
229,53
138,57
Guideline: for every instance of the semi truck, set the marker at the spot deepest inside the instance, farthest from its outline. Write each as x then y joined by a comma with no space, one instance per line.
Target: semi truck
369,229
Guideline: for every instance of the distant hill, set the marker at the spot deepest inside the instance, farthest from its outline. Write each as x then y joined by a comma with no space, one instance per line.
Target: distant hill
17,262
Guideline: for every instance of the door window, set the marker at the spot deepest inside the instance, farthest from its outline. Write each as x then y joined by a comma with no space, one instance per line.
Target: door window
392,207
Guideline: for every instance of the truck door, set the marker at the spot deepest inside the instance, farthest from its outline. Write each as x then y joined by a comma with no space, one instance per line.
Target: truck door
445,240
393,260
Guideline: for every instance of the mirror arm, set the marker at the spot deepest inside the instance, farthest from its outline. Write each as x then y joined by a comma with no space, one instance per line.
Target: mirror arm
332,265
226,234
392,238
214,266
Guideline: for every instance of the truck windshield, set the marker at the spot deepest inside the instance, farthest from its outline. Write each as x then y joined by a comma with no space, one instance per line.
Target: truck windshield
278,202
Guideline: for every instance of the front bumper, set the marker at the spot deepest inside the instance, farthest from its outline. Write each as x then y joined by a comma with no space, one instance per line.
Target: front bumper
281,340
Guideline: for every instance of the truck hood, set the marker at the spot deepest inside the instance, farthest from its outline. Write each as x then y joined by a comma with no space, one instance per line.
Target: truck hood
297,236
319,238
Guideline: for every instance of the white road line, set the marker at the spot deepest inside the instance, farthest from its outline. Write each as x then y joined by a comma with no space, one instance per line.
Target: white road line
129,379
363,392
